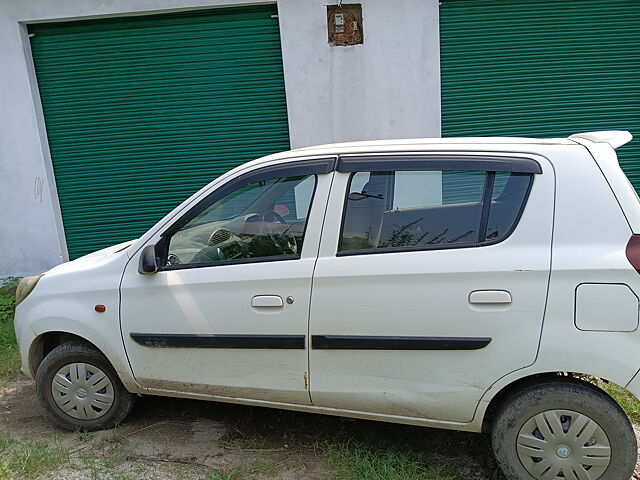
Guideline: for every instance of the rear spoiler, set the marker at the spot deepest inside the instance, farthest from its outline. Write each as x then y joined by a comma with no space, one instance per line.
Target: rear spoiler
615,138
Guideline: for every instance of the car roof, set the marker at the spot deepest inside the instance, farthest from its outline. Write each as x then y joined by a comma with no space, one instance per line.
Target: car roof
408,145
412,143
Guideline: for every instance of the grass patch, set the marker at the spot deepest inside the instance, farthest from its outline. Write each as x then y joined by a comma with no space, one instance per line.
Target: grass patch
359,449
237,473
9,354
625,399
353,460
27,459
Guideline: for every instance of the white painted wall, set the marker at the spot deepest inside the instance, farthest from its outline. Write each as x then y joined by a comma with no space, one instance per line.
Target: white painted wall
389,87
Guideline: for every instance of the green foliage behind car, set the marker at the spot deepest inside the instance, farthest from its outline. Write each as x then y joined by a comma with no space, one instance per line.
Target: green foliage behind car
9,355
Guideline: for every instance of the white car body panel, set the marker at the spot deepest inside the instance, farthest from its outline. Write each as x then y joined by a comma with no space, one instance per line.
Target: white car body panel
425,294
606,158
580,215
66,303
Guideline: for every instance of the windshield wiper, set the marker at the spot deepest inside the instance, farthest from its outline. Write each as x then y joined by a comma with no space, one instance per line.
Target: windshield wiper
364,195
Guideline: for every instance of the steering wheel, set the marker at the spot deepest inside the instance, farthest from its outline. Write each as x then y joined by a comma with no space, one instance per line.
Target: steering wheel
285,243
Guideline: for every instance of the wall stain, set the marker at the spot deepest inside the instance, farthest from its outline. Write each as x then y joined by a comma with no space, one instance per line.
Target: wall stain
38,187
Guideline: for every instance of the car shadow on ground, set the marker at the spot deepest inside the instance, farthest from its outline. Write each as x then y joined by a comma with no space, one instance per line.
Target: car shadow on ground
267,428
168,437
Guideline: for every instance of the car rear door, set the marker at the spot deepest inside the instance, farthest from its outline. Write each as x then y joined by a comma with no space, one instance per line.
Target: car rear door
431,281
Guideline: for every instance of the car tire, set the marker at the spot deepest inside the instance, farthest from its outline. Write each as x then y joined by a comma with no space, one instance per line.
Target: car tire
79,389
538,421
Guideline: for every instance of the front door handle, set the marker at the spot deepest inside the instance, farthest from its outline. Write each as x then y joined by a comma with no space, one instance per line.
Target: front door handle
489,297
268,301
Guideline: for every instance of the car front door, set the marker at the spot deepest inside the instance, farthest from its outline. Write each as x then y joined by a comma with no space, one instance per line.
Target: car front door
431,284
226,314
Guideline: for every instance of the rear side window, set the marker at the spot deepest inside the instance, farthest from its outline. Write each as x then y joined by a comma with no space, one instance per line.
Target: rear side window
430,209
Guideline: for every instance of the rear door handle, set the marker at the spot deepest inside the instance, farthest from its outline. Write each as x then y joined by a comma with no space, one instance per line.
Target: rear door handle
268,301
489,296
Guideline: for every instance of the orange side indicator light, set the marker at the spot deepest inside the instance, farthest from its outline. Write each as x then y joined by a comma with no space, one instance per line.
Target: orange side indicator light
100,308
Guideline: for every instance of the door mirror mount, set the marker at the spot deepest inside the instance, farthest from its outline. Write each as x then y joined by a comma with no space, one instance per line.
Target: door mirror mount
148,261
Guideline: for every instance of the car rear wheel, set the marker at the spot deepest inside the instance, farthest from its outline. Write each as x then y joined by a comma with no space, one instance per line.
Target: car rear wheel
563,431
79,389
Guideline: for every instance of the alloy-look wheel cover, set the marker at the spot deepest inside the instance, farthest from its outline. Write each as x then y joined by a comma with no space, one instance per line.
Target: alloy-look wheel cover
563,445
82,391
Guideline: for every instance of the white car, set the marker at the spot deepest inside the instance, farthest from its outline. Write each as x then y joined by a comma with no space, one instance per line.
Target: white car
459,283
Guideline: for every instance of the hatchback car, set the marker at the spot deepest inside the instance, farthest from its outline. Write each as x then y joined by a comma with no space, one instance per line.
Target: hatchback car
471,284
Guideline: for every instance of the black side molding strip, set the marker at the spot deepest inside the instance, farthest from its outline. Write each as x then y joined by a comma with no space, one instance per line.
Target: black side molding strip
284,342
404,161
345,342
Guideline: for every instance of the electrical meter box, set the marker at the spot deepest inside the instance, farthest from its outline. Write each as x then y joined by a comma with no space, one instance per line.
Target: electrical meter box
344,23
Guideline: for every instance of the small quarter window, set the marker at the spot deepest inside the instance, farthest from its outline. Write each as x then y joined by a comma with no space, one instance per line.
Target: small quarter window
508,197
430,209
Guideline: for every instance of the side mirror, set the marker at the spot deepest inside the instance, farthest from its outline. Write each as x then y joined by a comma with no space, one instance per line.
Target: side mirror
148,262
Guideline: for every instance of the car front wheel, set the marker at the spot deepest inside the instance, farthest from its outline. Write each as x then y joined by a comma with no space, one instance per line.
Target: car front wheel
566,431
79,389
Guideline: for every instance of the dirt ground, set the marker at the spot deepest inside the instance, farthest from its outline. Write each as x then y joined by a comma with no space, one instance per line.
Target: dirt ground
168,438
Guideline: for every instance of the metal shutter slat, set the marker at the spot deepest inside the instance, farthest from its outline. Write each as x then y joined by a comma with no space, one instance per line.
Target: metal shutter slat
143,111
542,68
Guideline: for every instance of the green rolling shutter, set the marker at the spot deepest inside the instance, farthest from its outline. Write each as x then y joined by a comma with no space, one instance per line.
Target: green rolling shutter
142,111
542,68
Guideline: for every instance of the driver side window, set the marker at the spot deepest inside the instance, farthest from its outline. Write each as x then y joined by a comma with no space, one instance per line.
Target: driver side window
259,220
